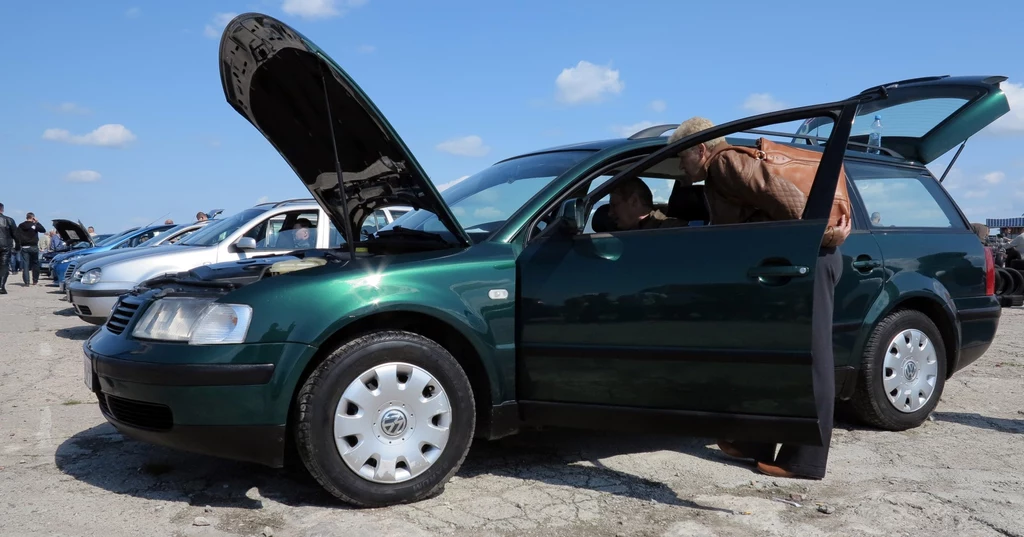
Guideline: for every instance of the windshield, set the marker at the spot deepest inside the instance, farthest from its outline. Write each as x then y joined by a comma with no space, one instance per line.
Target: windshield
218,231
114,238
481,203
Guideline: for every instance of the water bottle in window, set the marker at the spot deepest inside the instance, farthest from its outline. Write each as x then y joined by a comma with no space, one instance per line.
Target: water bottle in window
875,136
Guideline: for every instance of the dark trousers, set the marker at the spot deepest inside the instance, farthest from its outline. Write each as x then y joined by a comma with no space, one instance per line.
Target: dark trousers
30,263
5,266
810,461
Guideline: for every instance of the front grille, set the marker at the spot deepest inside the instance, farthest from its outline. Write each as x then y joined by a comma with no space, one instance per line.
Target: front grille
137,413
121,315
69,272
84,310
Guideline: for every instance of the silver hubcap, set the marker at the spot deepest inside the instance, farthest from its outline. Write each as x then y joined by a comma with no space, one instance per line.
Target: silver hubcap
910,371
392,423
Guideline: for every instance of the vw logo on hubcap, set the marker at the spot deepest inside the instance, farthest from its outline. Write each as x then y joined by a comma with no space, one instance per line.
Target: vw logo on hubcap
910,370
393,422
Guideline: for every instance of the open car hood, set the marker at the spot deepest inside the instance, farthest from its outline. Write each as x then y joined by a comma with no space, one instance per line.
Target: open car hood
293,93
71,232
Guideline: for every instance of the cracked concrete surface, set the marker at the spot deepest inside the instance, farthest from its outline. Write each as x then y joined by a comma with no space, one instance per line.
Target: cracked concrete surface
63,471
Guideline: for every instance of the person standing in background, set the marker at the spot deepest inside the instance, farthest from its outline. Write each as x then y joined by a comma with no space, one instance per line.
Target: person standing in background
92,232
29,231
56,244
8,243
44,242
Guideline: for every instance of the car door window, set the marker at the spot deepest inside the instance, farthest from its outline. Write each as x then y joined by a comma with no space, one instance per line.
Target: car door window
903,198
292,230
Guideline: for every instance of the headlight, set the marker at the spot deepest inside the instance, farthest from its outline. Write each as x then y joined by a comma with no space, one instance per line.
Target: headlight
199,321
91,277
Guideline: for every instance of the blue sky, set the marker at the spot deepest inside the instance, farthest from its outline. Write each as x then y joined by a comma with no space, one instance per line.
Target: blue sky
113,112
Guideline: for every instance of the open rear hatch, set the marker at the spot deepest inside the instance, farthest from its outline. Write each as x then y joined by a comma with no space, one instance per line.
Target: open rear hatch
923,118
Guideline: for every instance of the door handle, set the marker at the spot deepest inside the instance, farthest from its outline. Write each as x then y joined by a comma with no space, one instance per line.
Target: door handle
783,271
865,264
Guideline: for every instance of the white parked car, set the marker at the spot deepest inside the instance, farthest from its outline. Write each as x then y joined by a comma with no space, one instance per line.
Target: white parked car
266,229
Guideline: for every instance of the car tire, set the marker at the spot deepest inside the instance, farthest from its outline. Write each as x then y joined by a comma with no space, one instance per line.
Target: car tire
354,371
1003,280
880,375
1018,282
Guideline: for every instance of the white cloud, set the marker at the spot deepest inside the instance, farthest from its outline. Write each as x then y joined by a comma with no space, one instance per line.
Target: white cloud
82,176
976,193
587,83
445,186
994,178
488,212
70,108
319,9
467,146
658,105
629,130
109,135
263,199
133,13
1013,122
762,103
366,49
215,28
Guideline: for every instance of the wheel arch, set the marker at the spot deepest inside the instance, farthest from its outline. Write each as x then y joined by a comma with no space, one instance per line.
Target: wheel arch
929,297
430,326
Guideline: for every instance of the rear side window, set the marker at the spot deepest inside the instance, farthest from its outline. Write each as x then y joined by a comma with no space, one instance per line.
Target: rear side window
902,198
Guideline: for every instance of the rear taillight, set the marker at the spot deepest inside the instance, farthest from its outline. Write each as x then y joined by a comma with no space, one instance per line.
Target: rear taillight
990,272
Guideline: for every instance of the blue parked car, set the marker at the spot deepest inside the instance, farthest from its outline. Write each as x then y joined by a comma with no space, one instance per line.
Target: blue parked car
64,264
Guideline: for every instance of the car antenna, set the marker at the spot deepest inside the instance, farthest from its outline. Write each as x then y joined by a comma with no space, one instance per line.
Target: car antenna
337,166
157,218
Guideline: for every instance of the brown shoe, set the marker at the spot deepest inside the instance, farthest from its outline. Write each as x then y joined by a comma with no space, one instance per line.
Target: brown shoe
731,450
774,471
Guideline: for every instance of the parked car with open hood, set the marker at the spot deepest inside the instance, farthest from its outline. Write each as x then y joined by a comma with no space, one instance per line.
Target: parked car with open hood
497,306
74,237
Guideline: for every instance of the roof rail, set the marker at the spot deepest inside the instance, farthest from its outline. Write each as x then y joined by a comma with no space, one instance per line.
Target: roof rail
284,202
808,137
653,132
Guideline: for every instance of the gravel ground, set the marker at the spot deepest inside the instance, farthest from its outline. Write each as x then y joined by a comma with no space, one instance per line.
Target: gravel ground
64,471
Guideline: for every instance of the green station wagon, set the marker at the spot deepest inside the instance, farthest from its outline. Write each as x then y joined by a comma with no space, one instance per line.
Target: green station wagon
509,302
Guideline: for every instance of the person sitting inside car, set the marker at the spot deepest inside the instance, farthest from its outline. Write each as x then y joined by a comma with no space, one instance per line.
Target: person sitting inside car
298,237
632,207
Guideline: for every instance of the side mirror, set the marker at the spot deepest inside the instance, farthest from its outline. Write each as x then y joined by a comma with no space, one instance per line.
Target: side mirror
573,214
245,243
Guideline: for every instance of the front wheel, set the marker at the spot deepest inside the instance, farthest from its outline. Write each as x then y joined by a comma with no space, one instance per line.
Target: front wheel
903,372
387,418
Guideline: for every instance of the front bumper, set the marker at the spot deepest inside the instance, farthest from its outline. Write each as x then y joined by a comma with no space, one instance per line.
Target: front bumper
93,305
229,401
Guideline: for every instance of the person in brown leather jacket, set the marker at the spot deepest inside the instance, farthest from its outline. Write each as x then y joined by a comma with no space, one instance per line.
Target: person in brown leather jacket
739,188
631,206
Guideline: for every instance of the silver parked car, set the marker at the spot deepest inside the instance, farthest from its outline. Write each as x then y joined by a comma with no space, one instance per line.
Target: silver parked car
263,230
171,236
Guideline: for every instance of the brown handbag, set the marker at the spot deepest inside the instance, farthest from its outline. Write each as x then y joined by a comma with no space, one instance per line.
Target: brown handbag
798,166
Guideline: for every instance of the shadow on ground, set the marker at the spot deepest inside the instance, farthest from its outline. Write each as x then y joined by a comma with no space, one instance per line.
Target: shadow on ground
77,333
66,312
102,457
972,419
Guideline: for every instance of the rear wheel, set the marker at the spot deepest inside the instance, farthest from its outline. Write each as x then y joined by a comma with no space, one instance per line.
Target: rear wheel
387,418
903,372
